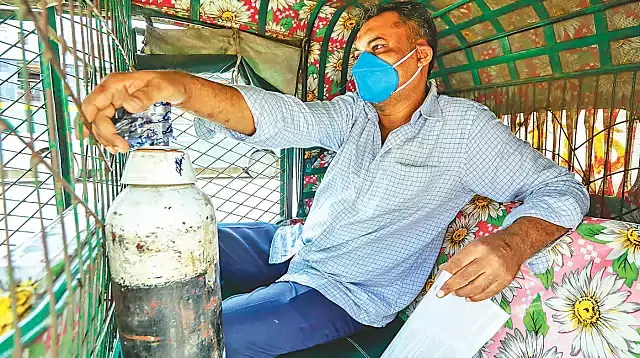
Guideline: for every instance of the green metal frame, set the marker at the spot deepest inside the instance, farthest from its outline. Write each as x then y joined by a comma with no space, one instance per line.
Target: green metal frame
85,268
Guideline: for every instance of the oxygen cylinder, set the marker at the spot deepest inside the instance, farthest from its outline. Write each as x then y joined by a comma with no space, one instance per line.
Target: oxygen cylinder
162,244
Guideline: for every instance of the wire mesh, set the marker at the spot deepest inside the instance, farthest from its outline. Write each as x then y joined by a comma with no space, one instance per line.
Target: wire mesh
243,183
54,192
588,124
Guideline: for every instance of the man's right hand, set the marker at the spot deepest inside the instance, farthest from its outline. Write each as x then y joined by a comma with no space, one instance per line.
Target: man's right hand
135,91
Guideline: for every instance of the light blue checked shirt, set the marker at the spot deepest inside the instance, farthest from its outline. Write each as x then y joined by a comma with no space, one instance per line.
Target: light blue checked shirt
379,216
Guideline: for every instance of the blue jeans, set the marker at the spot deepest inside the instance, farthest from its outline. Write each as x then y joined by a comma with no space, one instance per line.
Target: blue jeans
274,318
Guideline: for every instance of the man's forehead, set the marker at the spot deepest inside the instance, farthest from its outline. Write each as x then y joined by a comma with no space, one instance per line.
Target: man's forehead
385,26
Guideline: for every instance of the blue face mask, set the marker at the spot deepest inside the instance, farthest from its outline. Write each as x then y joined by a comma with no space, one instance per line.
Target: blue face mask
376,80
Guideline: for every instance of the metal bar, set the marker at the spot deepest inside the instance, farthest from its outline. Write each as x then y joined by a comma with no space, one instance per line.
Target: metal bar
345,60
607,125
604,50
504,42
450,8
54,106
586,73
467,51
488,15
557,47
589,10
263,11
630,129
324,51
549,37
195,9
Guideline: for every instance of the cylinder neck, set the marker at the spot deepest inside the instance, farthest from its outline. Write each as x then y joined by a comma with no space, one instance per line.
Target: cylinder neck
152,166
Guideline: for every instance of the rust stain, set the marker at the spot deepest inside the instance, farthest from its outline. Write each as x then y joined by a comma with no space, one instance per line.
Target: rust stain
211,304
153,307
141,338
187,317
206,331
113,237
139,247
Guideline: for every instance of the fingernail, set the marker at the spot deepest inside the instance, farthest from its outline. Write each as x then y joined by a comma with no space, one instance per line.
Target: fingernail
467,299
440,294
120,150
110,150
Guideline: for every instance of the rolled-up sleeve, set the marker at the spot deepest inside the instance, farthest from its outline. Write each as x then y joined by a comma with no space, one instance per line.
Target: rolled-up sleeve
283,121
504,168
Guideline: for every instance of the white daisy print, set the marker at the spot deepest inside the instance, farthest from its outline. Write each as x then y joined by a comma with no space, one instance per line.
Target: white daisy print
229,12
307,9
482,208
312,87
461,232
484,351
413,305
280,4
183,5
594,308
334,66
314,51
622,238
529,345
276,30
510,292
561,248
346,23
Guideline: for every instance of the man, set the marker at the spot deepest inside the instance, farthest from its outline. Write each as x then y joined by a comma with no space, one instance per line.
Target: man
407,161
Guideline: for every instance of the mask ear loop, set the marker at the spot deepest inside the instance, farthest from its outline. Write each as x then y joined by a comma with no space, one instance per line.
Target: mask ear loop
410,80
405,57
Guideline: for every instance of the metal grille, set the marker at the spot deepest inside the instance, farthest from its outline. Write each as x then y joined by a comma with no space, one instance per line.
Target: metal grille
588,124
55,190
243,183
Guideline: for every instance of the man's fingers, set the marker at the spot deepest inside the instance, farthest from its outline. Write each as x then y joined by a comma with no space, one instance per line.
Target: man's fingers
476,287
155,90
460,260
141,99
108,135
490,291
461,278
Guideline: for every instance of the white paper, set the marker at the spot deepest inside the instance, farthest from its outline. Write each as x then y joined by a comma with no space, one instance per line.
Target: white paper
448,327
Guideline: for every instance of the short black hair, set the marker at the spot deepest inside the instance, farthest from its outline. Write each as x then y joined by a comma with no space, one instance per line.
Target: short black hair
410,12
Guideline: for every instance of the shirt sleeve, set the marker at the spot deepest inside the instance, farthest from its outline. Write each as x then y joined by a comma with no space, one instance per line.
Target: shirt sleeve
284,121
504,168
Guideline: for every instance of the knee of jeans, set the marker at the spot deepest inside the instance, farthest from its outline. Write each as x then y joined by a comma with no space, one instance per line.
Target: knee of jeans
239,339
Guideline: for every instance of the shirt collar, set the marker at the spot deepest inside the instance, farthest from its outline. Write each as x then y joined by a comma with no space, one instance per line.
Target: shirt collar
430,108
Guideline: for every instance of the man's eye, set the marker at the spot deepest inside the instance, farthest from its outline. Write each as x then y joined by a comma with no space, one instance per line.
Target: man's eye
376,47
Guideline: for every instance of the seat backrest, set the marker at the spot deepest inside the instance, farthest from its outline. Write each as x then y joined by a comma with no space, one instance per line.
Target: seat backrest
566,296
315,164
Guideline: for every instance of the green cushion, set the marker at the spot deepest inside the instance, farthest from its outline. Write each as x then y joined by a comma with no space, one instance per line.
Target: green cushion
368,343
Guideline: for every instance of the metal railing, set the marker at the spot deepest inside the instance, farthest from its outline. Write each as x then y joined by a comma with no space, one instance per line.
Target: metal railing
55,190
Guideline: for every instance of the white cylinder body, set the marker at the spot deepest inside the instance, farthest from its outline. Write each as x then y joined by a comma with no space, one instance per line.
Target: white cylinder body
162,246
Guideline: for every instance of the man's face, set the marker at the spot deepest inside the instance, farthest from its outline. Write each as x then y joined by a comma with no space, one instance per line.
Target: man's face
387,37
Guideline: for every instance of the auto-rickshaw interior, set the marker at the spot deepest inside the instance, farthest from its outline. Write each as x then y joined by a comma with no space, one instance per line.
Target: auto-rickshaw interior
563,75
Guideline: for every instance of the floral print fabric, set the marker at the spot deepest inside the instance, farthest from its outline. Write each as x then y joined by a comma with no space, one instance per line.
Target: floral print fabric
584,303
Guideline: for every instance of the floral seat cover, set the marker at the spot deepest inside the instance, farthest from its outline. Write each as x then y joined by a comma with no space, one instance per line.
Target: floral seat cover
581,298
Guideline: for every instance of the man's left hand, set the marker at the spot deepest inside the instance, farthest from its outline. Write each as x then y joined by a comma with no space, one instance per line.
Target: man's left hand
483,268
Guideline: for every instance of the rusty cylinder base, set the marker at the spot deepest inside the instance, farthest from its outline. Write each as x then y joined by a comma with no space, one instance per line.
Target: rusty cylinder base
177,320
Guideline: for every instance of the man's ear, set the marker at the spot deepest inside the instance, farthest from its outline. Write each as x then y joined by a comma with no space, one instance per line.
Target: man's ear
425,53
